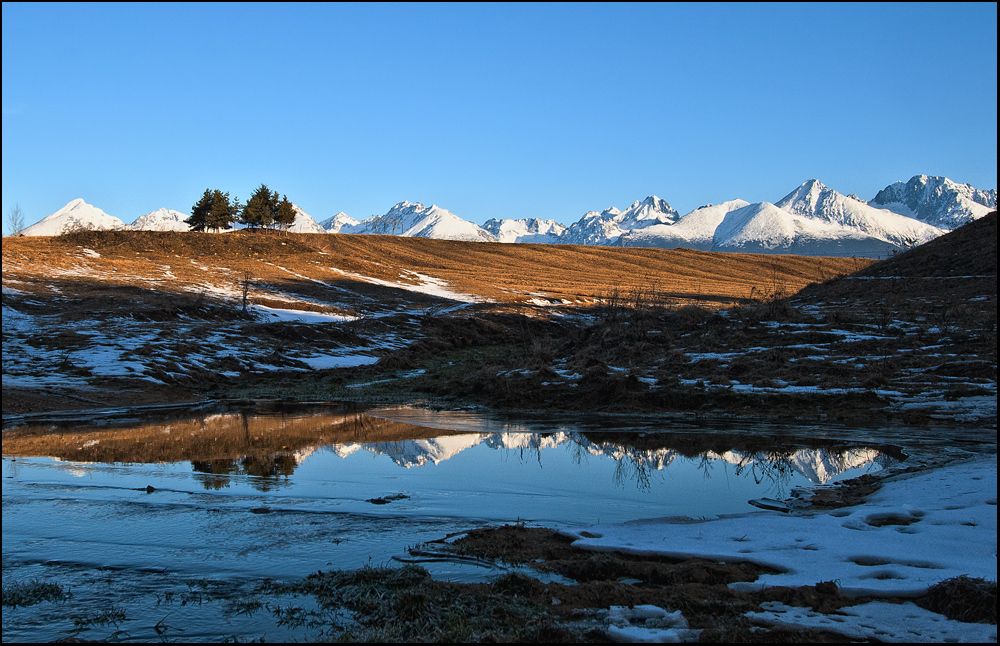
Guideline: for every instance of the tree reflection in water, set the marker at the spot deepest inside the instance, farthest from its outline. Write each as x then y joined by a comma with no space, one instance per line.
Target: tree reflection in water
632,465
268,471
266,443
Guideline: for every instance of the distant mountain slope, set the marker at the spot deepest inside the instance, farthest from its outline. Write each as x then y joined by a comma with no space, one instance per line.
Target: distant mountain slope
417,221
161,220
606,227
304,223
338,222
822,204
75,216
765,228
937,201
696,230
533,230
811,220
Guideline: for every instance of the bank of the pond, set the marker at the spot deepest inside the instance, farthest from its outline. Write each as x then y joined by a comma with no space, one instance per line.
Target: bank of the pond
217,522
648,582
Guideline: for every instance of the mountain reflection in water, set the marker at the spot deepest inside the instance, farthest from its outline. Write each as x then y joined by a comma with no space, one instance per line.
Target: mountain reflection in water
269,442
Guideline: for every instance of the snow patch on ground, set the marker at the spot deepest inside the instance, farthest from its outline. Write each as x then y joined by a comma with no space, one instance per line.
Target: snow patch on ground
423,285
887,622
916,531
277,314
327,361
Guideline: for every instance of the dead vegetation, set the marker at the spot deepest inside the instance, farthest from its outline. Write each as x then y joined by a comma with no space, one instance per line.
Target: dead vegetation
963,598
406,604
621,330
494,272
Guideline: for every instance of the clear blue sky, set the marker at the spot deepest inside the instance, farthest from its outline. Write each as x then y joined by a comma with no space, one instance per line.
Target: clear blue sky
491,110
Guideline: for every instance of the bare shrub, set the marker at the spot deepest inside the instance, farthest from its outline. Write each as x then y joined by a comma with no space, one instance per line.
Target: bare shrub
15,220
245,283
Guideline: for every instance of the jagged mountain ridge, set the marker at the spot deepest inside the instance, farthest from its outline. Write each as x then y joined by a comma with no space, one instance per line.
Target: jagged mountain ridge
338,222
813,219
817,465
606,227
819,202
304,223
696,230
937,201
533,230
766,228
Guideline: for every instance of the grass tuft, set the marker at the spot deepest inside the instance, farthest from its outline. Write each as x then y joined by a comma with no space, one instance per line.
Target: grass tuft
29,593
963,598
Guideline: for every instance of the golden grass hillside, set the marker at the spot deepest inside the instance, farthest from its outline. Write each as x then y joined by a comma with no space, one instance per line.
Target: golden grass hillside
320,268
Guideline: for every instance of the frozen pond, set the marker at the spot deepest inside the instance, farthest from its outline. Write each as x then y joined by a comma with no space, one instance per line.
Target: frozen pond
135,513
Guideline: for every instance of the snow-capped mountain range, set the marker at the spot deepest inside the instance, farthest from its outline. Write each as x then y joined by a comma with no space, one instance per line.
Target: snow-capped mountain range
419,221
817,465
525,230
812,220
603,228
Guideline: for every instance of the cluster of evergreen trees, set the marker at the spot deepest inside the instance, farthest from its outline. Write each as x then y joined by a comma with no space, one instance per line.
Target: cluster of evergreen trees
217,212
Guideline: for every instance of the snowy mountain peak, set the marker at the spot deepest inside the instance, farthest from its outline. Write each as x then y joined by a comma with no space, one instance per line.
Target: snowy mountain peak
415,220
937,201
652,208
695,230
406,207
606,227
77,215
340,223
304,223
161,220
818,203
654,201
533,230
807,198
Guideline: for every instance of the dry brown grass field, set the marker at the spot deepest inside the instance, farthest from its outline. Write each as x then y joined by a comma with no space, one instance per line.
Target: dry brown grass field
101,318
495,272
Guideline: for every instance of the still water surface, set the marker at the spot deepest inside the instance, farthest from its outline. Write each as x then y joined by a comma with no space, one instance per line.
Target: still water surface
236,494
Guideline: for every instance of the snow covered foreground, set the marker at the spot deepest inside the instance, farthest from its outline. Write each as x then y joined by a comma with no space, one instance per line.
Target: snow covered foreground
943,524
